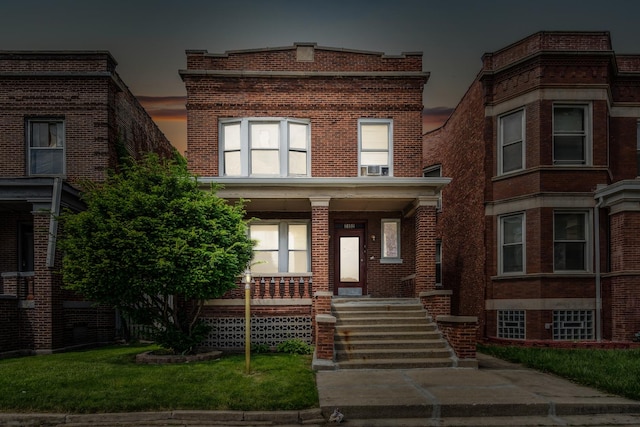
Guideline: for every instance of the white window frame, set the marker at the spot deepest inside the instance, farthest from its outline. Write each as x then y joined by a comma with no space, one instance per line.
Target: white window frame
362,167
283,246
586,133
502,145
438,262
31,149
502,244
245,149
387,259
586,215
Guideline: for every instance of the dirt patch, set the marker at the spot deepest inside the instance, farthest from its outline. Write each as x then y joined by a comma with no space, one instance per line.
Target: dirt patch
159,359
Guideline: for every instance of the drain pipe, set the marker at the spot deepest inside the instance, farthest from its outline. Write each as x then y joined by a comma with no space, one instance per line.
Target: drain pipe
596,220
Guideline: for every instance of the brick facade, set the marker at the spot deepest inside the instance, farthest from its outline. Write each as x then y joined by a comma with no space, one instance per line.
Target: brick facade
332,91
571,70
101,120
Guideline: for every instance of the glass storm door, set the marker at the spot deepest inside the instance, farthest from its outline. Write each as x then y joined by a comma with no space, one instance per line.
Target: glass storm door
349,261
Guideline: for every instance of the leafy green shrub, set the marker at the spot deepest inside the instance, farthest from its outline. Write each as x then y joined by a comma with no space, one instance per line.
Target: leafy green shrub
176,341
294,346
260,348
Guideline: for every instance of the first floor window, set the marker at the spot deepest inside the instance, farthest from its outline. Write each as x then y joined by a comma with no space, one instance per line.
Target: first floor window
511,142
570,241
391,240
438,263
511,243
46,147
281,246
375,142
264,147
570,135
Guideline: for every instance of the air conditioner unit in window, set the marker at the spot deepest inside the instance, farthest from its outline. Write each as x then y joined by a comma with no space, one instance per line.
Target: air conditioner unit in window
376,170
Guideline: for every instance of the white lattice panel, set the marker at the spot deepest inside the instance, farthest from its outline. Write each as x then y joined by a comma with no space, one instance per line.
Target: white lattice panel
229,332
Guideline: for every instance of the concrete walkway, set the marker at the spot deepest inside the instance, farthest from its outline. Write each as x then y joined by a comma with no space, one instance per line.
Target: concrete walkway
496,394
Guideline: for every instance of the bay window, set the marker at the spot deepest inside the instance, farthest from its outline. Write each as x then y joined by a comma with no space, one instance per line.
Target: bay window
570,238
511,244
571,137
511,142
264,147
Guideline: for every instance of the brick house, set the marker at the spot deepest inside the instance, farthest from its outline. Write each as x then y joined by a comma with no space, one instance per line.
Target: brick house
324,145
540,228
64,117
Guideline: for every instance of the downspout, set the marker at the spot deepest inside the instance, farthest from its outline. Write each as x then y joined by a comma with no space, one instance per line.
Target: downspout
56,199
596,220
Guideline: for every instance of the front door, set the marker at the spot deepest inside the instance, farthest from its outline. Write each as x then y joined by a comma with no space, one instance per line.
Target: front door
349,260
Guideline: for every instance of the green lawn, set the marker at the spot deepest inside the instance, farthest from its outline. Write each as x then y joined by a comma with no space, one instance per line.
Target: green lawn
612,371
109,380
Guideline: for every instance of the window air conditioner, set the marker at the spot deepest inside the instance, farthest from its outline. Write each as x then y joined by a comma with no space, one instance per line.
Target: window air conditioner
376,170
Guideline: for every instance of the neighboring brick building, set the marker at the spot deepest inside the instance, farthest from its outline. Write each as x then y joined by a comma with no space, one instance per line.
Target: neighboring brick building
64,117
540,227
325,147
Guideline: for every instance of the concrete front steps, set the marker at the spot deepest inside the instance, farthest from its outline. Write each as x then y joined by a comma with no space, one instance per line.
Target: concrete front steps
394,333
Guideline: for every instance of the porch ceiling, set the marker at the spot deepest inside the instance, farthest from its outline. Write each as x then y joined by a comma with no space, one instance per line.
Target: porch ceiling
342,194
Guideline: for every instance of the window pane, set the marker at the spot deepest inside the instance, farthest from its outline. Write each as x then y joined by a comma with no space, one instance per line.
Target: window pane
297,236
231,136
512,127
374,158
265,135
265,262
298,262
266,236
56,135
568,119
298,136
512,157
349,259
232,163
568,149
375,136
265,162
569,256
390,240
569,226
512,259
512,231
297,162
46,161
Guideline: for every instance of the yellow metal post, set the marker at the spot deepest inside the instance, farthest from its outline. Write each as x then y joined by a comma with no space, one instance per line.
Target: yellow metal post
247,321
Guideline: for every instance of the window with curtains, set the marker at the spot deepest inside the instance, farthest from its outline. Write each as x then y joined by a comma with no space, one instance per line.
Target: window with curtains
511,142
281,246
571,135
264,147
46,141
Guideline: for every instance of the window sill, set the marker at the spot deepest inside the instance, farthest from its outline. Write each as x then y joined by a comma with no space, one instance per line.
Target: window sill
391,261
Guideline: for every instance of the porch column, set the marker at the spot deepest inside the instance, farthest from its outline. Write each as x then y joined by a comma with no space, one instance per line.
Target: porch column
425,230
320,243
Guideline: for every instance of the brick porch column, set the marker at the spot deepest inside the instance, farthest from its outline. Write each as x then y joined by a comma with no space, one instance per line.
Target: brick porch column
320,243
425,230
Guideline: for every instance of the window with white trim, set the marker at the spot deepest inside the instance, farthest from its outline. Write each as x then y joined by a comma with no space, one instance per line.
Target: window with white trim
511,324
511,141
264,147
570,241
281,246
375,147
511,243
46,147
571,135
390,240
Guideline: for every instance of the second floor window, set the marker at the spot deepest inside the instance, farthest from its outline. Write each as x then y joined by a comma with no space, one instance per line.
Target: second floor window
511,244
46,147
375,144
264,147
571,135
511,142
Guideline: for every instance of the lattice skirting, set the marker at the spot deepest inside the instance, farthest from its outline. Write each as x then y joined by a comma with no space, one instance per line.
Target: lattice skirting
228,332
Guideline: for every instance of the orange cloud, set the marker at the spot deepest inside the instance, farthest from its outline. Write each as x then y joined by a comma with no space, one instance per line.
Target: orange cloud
433,118
165,107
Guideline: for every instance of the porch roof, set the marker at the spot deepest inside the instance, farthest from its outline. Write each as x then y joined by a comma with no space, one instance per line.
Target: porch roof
342,194
22,194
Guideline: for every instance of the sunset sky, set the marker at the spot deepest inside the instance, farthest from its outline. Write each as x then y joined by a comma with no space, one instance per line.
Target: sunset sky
148,38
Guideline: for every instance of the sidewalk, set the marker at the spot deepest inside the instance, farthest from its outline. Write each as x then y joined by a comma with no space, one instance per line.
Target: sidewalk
498,393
